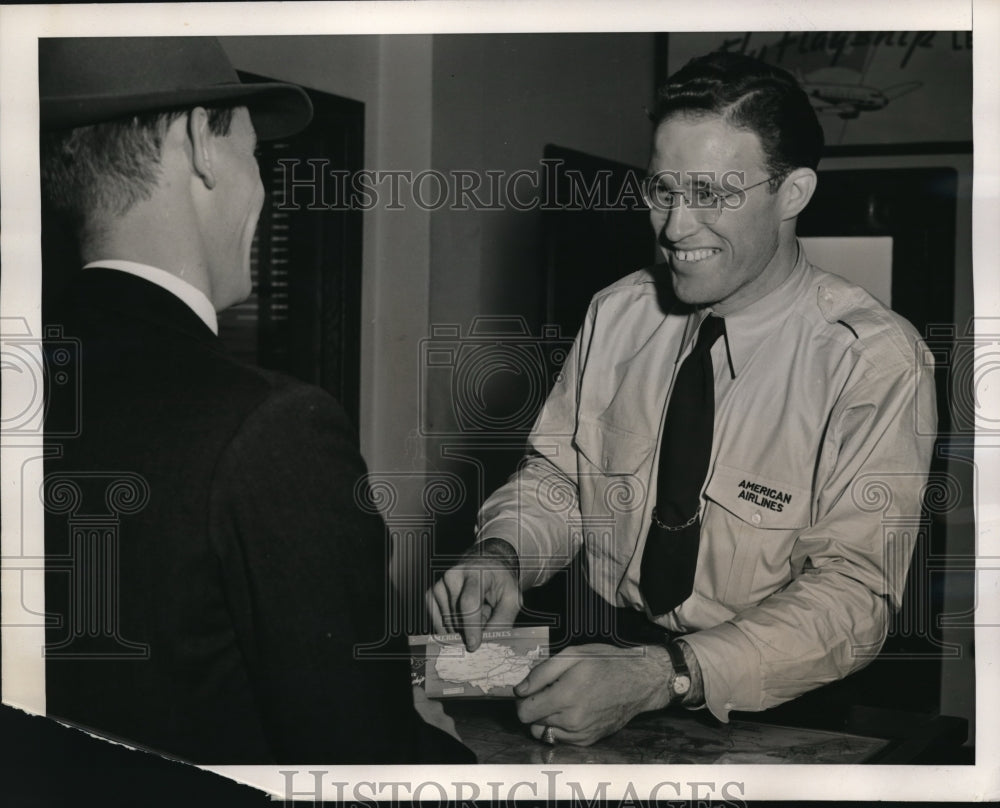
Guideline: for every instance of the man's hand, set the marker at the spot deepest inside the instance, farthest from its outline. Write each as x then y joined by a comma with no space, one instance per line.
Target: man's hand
589,691
480,592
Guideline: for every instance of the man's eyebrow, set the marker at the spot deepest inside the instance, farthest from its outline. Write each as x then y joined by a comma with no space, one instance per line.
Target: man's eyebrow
701,183
662,176
683,177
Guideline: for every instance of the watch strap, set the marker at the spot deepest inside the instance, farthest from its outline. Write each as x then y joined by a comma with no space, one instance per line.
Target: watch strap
677,660
680,670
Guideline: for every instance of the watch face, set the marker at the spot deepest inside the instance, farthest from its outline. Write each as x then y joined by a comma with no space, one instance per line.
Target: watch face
682,684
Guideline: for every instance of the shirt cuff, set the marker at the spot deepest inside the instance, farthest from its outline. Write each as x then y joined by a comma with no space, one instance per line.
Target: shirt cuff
730,669
511,532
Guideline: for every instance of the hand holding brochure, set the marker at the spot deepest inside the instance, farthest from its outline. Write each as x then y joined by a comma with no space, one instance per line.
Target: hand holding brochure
441,664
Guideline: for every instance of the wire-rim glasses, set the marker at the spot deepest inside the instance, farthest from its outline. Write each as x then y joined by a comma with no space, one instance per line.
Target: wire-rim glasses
704,203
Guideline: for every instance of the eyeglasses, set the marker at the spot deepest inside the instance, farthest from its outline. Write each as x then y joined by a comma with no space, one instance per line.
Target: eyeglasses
704,204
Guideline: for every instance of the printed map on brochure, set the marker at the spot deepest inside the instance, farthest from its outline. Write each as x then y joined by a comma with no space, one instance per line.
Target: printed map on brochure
441,664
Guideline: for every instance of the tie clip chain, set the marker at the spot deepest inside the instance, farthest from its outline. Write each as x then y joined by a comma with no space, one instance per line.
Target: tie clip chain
662,526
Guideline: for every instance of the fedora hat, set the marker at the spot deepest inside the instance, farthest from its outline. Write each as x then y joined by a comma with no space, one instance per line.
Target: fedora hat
84,81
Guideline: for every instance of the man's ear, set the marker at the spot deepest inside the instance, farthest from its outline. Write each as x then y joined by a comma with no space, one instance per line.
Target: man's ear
201,146
796,191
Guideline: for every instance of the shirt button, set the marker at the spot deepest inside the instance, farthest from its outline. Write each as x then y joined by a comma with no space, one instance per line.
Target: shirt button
755,518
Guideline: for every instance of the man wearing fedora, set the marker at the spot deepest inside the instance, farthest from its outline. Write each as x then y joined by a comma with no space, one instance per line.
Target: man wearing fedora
210,577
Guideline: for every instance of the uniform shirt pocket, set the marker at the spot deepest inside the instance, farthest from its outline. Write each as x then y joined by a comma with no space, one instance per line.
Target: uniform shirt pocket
614,451
613,473
753,519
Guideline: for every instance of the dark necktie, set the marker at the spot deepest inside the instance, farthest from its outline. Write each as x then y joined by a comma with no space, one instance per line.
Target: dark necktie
671,553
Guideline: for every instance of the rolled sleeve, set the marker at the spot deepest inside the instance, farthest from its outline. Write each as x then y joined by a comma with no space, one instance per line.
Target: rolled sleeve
730,667
532,512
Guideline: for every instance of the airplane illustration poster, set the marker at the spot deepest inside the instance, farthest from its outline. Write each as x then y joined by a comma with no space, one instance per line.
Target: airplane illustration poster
869,87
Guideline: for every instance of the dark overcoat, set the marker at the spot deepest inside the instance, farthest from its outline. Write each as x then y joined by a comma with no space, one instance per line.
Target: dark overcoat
210,574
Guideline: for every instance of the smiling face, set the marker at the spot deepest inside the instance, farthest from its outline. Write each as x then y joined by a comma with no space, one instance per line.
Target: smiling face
737,259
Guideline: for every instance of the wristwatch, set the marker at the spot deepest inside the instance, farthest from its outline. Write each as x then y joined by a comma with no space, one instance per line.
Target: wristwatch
680,676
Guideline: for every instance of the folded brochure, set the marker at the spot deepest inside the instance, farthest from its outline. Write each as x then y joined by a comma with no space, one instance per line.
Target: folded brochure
441,664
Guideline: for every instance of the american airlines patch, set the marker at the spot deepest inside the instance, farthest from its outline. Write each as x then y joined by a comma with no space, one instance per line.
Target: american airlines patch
773,499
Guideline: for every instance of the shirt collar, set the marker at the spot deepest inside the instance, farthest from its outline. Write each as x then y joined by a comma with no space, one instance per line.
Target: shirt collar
747,328
195,299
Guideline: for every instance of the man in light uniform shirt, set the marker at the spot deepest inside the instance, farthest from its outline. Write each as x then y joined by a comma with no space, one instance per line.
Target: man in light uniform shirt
823,423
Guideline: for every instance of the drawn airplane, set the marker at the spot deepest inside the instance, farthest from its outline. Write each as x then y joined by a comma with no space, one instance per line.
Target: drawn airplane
848,100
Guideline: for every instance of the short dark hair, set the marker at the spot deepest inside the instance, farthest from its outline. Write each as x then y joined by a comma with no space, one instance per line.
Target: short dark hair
750,95
104,169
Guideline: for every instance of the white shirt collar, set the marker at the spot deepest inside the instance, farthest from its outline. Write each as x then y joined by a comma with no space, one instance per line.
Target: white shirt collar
196,300
747,327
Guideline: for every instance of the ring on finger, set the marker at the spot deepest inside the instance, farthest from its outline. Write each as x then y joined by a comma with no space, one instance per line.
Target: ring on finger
548,736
